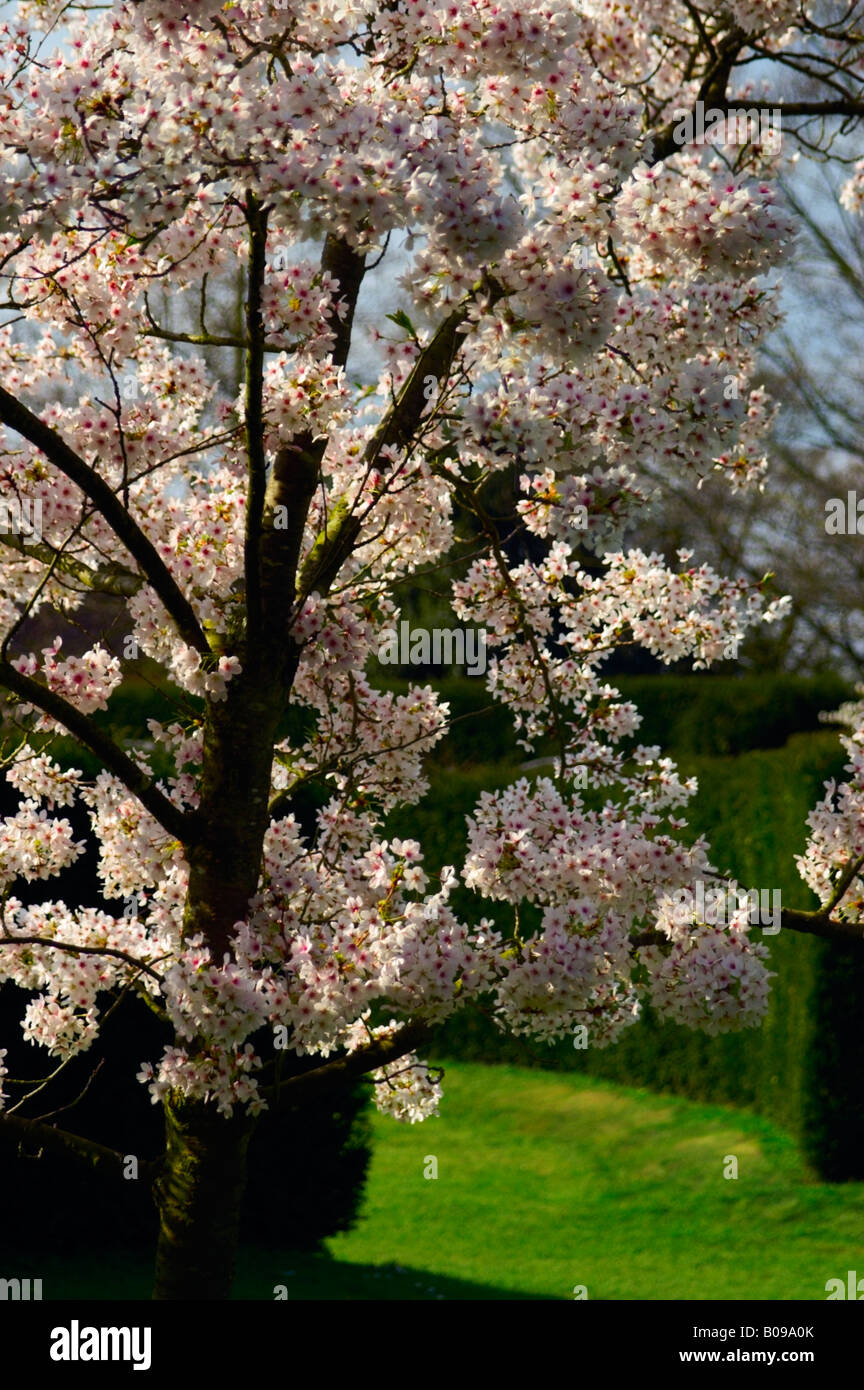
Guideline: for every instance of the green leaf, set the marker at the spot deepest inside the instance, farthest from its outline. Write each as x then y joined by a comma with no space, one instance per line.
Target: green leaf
401,319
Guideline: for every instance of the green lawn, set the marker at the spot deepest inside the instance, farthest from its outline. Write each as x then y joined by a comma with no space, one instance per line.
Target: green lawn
548,1180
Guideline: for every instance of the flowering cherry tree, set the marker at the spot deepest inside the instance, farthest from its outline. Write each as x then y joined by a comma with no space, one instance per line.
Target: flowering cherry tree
573,286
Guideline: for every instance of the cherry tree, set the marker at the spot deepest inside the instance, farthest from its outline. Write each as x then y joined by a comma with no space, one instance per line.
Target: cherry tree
574,279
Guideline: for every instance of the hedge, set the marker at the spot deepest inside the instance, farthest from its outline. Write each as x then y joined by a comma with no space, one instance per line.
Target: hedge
684,714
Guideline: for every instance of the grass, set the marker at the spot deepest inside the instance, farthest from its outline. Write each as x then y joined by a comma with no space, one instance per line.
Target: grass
547,1181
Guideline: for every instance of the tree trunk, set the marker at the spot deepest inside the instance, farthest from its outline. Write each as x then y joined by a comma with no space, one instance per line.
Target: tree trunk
199,1194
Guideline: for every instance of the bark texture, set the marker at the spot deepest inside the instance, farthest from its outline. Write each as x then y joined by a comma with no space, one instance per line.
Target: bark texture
199,1194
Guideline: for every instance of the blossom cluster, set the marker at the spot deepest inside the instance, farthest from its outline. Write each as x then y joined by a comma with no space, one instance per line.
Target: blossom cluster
87,682
835,845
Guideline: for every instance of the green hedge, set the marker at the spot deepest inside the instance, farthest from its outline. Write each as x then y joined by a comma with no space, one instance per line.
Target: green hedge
307,1170
725,715
832,1128
697,713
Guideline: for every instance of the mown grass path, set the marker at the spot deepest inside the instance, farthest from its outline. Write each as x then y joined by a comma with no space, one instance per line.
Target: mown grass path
546,1181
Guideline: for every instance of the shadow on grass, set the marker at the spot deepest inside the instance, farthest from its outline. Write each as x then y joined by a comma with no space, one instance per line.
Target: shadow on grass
115,1275
300,1276
118,1276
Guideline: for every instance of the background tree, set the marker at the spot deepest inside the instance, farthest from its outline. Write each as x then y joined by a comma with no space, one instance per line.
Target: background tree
580,282
810,367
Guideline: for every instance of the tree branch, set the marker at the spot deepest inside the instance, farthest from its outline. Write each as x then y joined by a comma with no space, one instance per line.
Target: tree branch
82,727
329,551
821,924
436,360
309,1085
59,1143
348,267
197,339
272,561
817,923
17,417
336,541
665,145
256,218
840,106
76,949
107,579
